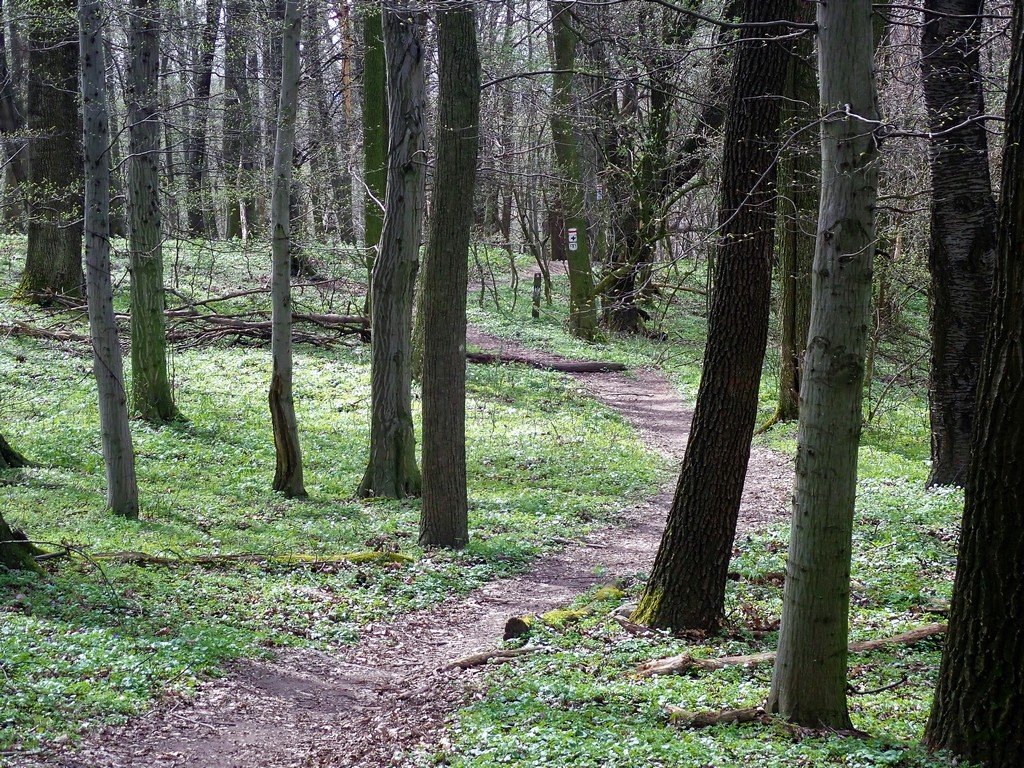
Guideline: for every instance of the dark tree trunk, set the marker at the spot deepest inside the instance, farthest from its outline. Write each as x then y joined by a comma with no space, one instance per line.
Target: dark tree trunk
686,589
53,264
443,521
799,184
963,227
199,219
391,471
14,555
980,693
151,389
375,132
107,365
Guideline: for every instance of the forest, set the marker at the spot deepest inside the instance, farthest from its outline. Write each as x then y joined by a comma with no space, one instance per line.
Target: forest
478,383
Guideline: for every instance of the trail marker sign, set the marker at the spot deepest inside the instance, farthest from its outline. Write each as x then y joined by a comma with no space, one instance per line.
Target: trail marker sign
573,236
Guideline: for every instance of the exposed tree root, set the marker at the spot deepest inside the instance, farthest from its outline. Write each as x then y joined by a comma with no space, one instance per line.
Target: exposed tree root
498,656
682,663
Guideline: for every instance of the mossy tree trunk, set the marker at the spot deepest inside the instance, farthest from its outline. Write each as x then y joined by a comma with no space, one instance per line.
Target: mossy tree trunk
391,471
961,250
799,186
151,393
108,368
375,132
582,302
809,680
288,472
53,263
980,693
686,589
443,521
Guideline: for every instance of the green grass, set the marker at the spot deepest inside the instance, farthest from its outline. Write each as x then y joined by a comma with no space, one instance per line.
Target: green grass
83,645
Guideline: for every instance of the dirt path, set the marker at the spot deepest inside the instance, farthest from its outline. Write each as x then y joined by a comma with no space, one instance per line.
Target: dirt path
367,705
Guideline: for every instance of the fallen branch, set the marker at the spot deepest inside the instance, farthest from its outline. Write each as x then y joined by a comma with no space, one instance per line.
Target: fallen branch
682,663
563,366
129,557
498,655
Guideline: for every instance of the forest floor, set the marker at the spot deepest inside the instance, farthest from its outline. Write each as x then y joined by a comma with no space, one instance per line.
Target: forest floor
328,663
391,694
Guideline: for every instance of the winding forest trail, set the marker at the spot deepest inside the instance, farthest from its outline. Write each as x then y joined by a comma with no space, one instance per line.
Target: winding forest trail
369,704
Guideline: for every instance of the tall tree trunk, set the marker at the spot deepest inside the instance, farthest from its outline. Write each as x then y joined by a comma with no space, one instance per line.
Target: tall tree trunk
686,589
53,264
961,251
375,132
240,135
288,473
582,303
799,187
809,681
195,152
11,118
980,693
392,471
443,520
151,390
118,454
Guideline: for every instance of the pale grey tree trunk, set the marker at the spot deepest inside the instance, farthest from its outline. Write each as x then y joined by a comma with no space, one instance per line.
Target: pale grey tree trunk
391,471
288,474
809,680
152,398
118,454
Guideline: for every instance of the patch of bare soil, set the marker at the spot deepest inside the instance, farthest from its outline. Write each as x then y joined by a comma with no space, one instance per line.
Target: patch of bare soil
371,704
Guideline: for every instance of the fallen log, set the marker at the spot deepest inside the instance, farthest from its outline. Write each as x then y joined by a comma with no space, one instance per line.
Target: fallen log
682,663
703,719
498,656
562,366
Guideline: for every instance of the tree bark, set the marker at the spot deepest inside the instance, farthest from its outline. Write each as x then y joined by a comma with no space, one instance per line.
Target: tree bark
686,589
195,151
391,471
444,516
799,187
980,693
582,303
288,473
151,393
118,454
53,263
375,132
809,679
961,250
